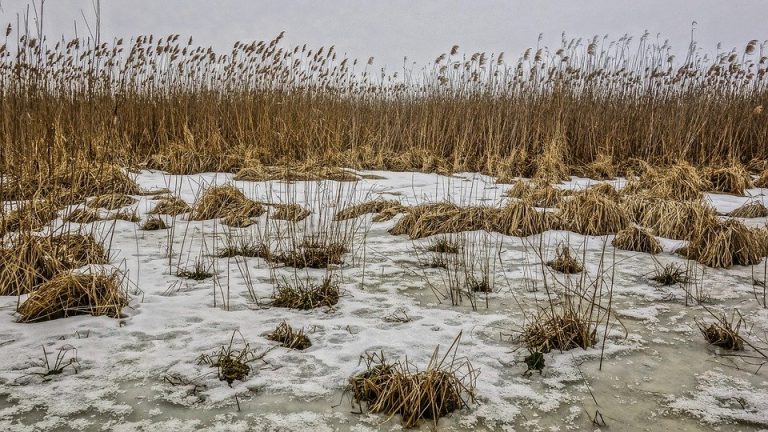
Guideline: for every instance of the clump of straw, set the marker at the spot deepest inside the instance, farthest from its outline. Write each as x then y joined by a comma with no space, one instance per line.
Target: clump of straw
722,244
594,214
675,219
446,385
637,239
733,179
375,206
154,224
223,201
564,262
288,337
560,328
753,209
723,333
306,295
290,212
112,201
172,206
69,294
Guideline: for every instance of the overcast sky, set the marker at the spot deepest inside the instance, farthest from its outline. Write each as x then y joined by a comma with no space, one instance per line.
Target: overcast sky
418,29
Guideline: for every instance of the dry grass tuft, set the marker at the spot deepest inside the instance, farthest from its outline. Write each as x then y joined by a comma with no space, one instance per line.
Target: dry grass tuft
290,338
538,195
605,189
722,244
32,260
172,206
762,181
723,333
733,179
376,206
675,219
444,246
295,172
670,274
82,216
154,224
637,239
69,294
398,388
311,254
112,201
306,295
550,165
237,221
231,364
680,182
560,328
754,209
602,168
521,220
223,201
589,213
290,212
31,216
564,262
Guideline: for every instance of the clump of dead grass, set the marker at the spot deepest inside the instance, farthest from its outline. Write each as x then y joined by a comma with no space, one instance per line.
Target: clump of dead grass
564,262
675,219
82,216
231,363
550,165
561,328
237,221
637,239
752,209
223,201
680,182
722,244
154,224
111,201
537,194
290,338
172,206
446,385
522,220
30,216
375,206
733,179
723,333
670,274
69,294
290,212
602,168
312,254
32,260
295,172
444,246
762,181
305,295
594,214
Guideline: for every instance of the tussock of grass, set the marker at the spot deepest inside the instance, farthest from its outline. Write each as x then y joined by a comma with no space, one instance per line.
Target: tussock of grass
223,201
670,274
602,168
237,221
564,262
124,215
112,201
295,172
231,363
637,239
154,224
306,295
375,206
312,255
560,328
680,182
32,260
723,244
733,179
538,195
443,246
69,294
762,181
521,220
593,214
172,206
289,337
245,248
398,388
290,212
605,189
676,220
723,333
82,216
550,165
754,209
30,216
200,271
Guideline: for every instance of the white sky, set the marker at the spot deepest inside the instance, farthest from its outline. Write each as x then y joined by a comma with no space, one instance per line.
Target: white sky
418,29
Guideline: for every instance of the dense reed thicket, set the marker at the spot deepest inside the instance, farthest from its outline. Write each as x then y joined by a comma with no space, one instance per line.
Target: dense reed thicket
175,106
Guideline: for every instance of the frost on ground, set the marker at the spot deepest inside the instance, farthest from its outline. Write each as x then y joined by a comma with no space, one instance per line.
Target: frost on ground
143,371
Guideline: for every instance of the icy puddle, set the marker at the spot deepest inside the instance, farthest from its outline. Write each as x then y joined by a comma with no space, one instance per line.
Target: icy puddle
650,369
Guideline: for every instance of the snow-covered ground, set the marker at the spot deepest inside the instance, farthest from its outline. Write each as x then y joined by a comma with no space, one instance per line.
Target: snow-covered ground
657,372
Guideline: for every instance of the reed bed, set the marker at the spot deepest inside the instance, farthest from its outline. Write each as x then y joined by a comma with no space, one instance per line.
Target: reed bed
82,110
